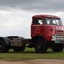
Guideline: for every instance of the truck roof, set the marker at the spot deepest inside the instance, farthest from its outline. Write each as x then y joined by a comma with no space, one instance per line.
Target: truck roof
48,16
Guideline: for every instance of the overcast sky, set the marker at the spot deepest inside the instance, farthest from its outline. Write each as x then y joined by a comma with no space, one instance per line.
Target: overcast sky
15,15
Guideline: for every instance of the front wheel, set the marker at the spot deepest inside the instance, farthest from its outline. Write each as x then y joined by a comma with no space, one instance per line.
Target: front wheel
57,47
40,45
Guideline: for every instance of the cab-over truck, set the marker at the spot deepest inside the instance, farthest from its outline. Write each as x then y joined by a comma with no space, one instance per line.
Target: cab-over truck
47,31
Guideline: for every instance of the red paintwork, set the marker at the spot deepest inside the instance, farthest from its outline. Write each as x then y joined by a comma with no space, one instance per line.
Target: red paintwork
45,30
49,16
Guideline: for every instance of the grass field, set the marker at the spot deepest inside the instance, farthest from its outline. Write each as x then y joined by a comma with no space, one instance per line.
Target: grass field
30,54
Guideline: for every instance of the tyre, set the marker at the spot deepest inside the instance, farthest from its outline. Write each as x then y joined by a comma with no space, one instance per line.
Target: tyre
40,45
57,47
3,47
19,49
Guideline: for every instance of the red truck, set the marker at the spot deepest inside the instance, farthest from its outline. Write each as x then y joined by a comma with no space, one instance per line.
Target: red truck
47,31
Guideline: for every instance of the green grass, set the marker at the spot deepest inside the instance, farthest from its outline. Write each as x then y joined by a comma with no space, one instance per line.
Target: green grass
30,54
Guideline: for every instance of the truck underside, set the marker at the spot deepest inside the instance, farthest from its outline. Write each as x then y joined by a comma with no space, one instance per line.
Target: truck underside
18,44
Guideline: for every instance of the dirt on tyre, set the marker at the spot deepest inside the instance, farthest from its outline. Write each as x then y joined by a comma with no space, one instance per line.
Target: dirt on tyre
57,47
40,45
3,47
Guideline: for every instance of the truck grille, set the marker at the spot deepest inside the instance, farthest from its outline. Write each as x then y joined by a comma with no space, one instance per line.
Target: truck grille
58,37
60,32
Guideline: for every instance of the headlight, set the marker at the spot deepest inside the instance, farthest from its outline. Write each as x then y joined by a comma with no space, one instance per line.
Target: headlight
53,38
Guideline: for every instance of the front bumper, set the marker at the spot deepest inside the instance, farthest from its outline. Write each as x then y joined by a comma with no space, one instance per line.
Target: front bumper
58,38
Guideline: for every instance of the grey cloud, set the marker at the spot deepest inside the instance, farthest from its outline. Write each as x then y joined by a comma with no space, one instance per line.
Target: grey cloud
35,5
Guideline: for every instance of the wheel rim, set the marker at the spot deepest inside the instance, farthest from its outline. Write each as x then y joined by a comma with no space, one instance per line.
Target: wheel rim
38,46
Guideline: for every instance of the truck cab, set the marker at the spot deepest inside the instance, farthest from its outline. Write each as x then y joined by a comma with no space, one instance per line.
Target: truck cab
47,26
50,29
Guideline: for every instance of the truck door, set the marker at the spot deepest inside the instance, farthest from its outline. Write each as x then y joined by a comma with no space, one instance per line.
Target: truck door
36,27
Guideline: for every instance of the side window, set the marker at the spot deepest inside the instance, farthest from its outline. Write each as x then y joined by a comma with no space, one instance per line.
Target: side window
38,21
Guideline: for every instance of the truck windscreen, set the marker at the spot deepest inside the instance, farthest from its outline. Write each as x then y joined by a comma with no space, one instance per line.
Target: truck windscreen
52,21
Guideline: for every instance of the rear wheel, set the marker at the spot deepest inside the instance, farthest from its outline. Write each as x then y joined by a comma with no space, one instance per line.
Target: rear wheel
19,49
3,46
40,45
57,47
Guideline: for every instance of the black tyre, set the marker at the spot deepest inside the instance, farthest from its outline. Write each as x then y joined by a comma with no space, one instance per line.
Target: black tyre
40,45
19,49
57,47
3,47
